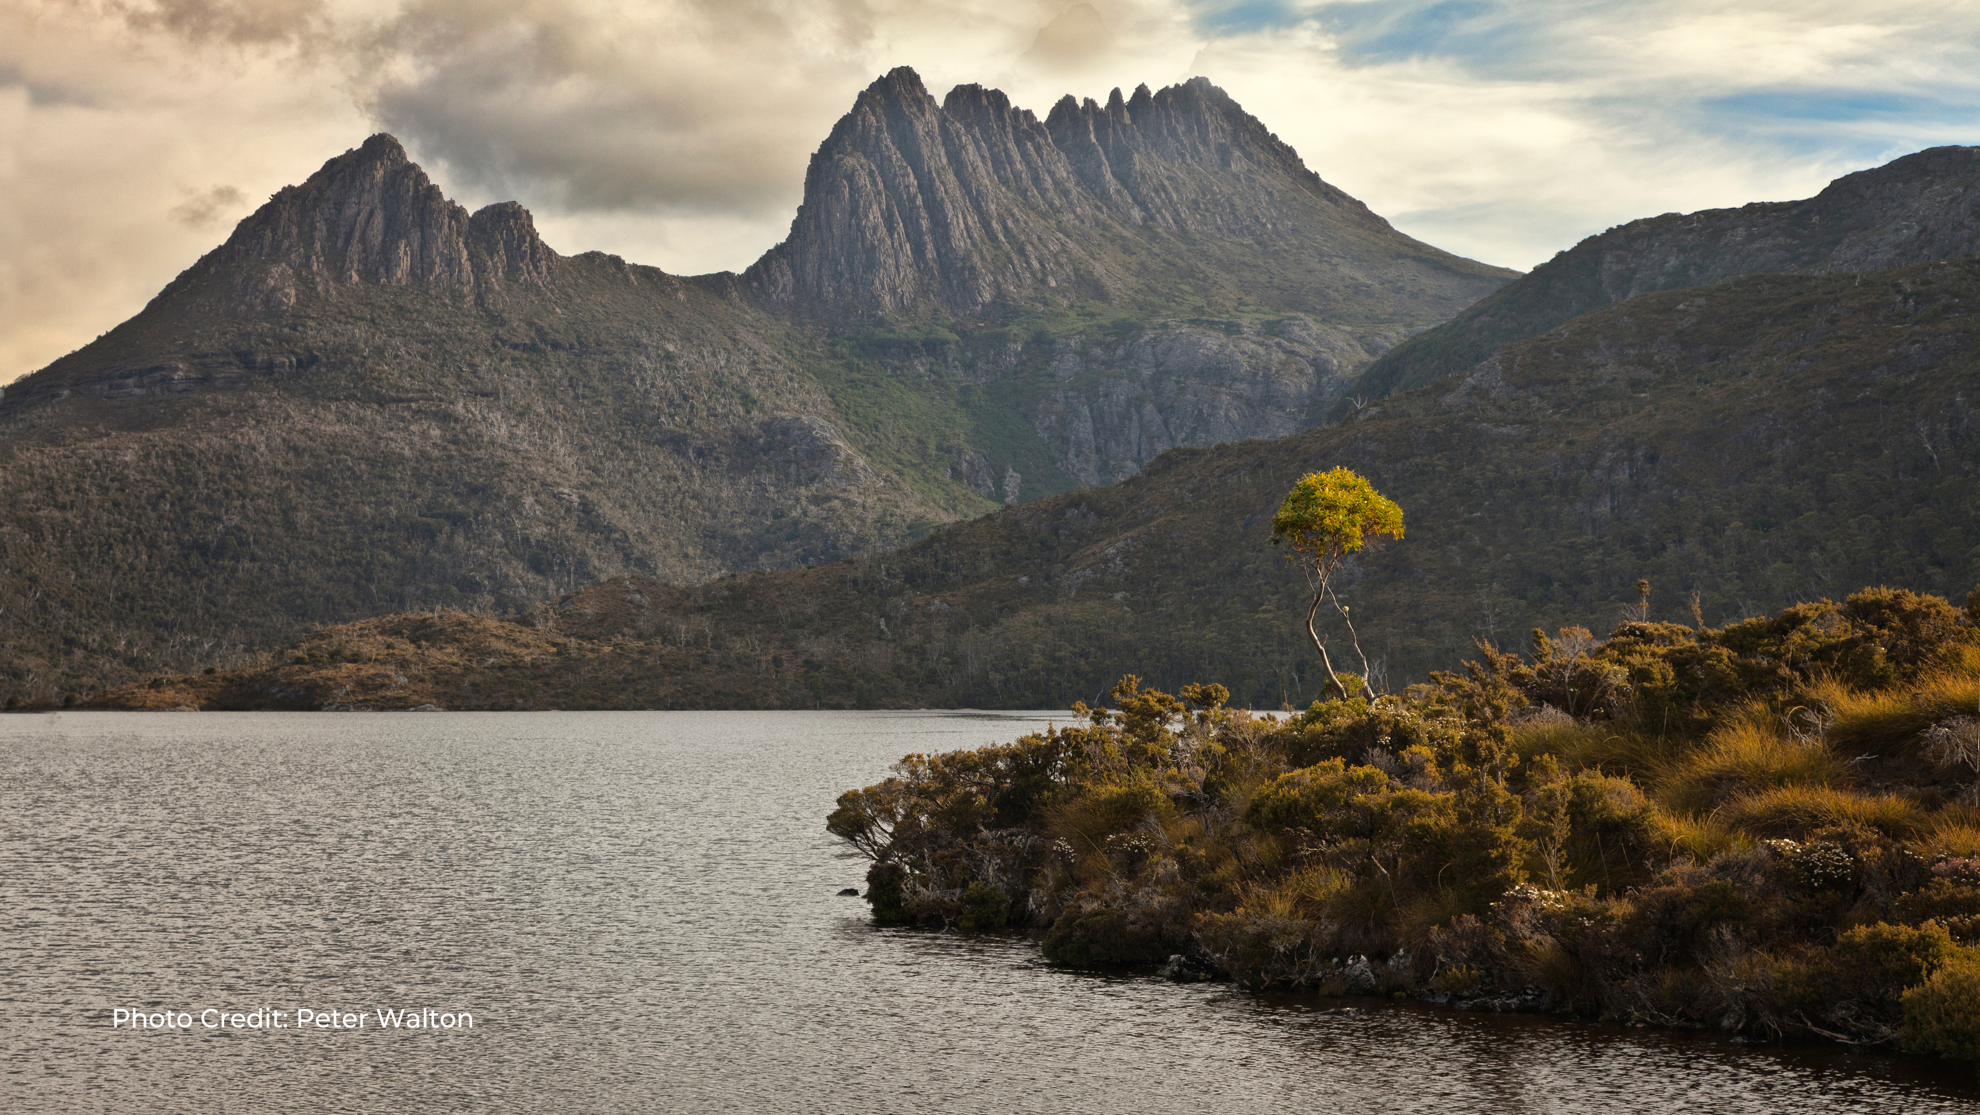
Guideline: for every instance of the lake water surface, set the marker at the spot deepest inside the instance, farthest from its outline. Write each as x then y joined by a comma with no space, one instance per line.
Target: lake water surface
639,911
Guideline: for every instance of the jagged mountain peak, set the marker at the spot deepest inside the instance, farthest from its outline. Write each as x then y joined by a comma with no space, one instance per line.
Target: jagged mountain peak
371,215
900,84
972,201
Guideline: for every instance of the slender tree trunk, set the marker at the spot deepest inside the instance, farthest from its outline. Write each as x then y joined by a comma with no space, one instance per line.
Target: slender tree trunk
1314,634
1367,687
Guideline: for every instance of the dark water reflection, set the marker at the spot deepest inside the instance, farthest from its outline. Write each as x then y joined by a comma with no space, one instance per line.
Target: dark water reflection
639,911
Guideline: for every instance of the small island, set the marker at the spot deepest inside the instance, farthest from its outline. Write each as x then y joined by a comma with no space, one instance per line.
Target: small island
1770,828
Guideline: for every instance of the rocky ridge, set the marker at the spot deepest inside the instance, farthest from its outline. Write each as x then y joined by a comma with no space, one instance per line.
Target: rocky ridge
1106,408
371,215
370,399
961,206
1916,209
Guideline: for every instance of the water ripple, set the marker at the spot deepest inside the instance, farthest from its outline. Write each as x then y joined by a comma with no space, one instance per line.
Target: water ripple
640,912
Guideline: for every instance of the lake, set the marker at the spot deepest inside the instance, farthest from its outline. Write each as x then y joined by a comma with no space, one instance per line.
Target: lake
639,913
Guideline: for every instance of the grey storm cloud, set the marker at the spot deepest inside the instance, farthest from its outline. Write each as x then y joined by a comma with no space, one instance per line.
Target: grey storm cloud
583,106
521,97
240,22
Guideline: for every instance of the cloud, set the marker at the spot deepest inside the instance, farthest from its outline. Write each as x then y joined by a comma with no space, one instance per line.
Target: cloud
1508,132
676,132
691,107
240,22
205,208
1073,38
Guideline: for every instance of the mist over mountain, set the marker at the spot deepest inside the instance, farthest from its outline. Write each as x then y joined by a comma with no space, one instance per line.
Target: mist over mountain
369,399
1916,209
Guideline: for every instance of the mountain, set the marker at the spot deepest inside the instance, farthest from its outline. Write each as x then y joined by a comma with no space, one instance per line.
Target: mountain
369,399
1178,198
1070,297
1756,442
1917,209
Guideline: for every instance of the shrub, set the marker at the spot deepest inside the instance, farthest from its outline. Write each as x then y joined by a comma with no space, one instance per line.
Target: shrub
1103,936
1114,808
1316,797
1712,868
1260,948
985,908
1459,980
1612,832
883,893
1942,1015
1875,963
1940,900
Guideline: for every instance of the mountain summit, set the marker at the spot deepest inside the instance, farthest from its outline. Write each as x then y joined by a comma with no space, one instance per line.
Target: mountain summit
957,206
371,215
370,399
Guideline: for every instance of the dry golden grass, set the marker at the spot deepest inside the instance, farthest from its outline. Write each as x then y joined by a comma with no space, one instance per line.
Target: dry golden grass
1748,754
1793,811
1893,720
1588,746
1955,832
1698,836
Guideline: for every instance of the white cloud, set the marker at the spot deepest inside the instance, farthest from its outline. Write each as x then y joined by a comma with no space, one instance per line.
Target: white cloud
676,132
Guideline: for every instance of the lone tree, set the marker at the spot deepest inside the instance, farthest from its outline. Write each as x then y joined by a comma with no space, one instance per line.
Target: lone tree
1326,517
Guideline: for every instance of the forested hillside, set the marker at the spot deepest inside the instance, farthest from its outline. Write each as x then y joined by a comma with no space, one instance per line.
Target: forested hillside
1760,442
1917,209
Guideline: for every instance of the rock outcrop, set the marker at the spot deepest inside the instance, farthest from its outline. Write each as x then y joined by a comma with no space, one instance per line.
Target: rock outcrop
1918,209
973,202
1115,407
371,215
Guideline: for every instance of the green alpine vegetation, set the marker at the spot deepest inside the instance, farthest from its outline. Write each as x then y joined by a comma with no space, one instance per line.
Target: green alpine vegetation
1759,443
1769,828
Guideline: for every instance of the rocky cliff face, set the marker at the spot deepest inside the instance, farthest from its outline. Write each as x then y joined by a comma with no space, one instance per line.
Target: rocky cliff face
1917,209
1114,408
974,202
1105,407
371,215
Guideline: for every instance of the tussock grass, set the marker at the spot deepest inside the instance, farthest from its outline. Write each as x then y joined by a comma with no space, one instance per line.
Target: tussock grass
1955,833
1698,836
1893,721
1581,745
1748,755
1795,811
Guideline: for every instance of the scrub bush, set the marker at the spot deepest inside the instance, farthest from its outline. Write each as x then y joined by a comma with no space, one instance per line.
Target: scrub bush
1699,842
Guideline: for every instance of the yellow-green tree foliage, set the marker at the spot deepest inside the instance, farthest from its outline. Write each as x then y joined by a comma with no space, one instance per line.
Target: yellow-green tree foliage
1331,514
1327,516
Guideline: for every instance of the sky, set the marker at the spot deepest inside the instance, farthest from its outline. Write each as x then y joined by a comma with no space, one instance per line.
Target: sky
135,133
